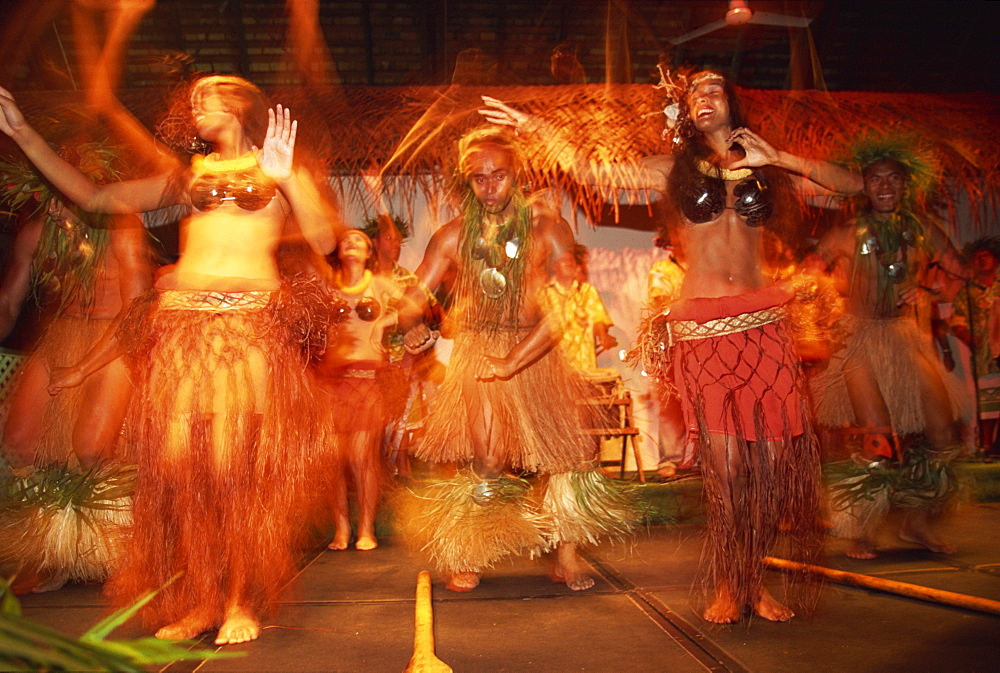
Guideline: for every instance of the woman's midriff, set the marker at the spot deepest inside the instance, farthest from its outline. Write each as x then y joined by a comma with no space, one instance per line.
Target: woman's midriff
724,258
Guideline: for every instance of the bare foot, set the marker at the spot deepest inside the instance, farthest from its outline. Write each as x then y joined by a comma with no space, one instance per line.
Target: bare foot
723,609
926,539
463,582
366,542
861,549
568,570
666,469
188,627
770,609
341,540
239,627
50,583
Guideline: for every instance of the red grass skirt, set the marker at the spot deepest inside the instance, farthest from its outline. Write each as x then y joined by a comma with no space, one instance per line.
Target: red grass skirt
355,397
746,389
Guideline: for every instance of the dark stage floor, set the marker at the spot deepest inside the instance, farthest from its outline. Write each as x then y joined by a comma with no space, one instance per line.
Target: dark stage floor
353,612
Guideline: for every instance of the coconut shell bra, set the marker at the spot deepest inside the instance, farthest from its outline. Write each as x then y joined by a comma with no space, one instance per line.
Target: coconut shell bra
704,199
237,181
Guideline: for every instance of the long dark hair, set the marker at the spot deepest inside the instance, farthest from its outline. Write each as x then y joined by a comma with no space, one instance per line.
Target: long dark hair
692,149
688,135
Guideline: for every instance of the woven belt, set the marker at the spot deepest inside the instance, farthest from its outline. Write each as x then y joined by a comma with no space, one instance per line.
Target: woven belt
206,300
357,374
689,330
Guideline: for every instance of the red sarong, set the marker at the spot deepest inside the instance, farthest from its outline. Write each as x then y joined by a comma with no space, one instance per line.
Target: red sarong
743,384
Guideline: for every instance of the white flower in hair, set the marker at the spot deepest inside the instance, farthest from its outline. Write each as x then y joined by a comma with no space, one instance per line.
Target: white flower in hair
672,111
673,84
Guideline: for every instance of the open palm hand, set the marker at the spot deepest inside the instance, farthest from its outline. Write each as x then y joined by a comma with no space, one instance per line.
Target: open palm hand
279,144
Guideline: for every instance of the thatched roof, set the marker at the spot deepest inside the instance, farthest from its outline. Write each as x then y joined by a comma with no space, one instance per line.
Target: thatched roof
354,129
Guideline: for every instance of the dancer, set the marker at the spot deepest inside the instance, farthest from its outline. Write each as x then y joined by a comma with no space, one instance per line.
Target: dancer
887,382
356,377
724,344
221,425
87,271
83,427
387,233
507,406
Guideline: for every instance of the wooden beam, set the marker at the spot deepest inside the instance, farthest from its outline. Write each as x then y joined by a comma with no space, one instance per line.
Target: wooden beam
890,586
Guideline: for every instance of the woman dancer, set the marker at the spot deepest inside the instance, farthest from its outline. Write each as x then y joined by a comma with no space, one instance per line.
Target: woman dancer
732,358
220,431
353,372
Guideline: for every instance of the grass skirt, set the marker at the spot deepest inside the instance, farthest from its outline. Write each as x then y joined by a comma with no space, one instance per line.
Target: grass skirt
60,522
762,488
352,403
355,397
223,428
762,497
890,349
64,343
468,524
537,425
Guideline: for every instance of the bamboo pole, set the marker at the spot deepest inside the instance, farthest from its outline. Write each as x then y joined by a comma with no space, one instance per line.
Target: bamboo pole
891,586
423,659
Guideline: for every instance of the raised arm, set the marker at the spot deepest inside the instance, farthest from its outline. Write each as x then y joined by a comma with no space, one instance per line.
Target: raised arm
131,196
317,218
643,175
827,175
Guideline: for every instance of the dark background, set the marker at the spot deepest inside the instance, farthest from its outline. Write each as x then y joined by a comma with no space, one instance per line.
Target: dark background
876,45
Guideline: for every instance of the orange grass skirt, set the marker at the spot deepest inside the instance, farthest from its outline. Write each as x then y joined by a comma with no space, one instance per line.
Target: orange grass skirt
224,430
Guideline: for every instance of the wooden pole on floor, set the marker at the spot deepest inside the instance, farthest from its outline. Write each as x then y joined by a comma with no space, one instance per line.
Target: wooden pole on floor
424,660
891,586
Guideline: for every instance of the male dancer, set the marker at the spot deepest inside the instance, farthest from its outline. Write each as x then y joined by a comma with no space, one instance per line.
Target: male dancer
508,405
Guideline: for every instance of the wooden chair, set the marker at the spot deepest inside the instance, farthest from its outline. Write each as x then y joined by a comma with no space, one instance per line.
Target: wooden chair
616,403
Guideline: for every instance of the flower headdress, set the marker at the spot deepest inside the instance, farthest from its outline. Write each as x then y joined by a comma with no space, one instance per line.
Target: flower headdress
676,85
69,251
